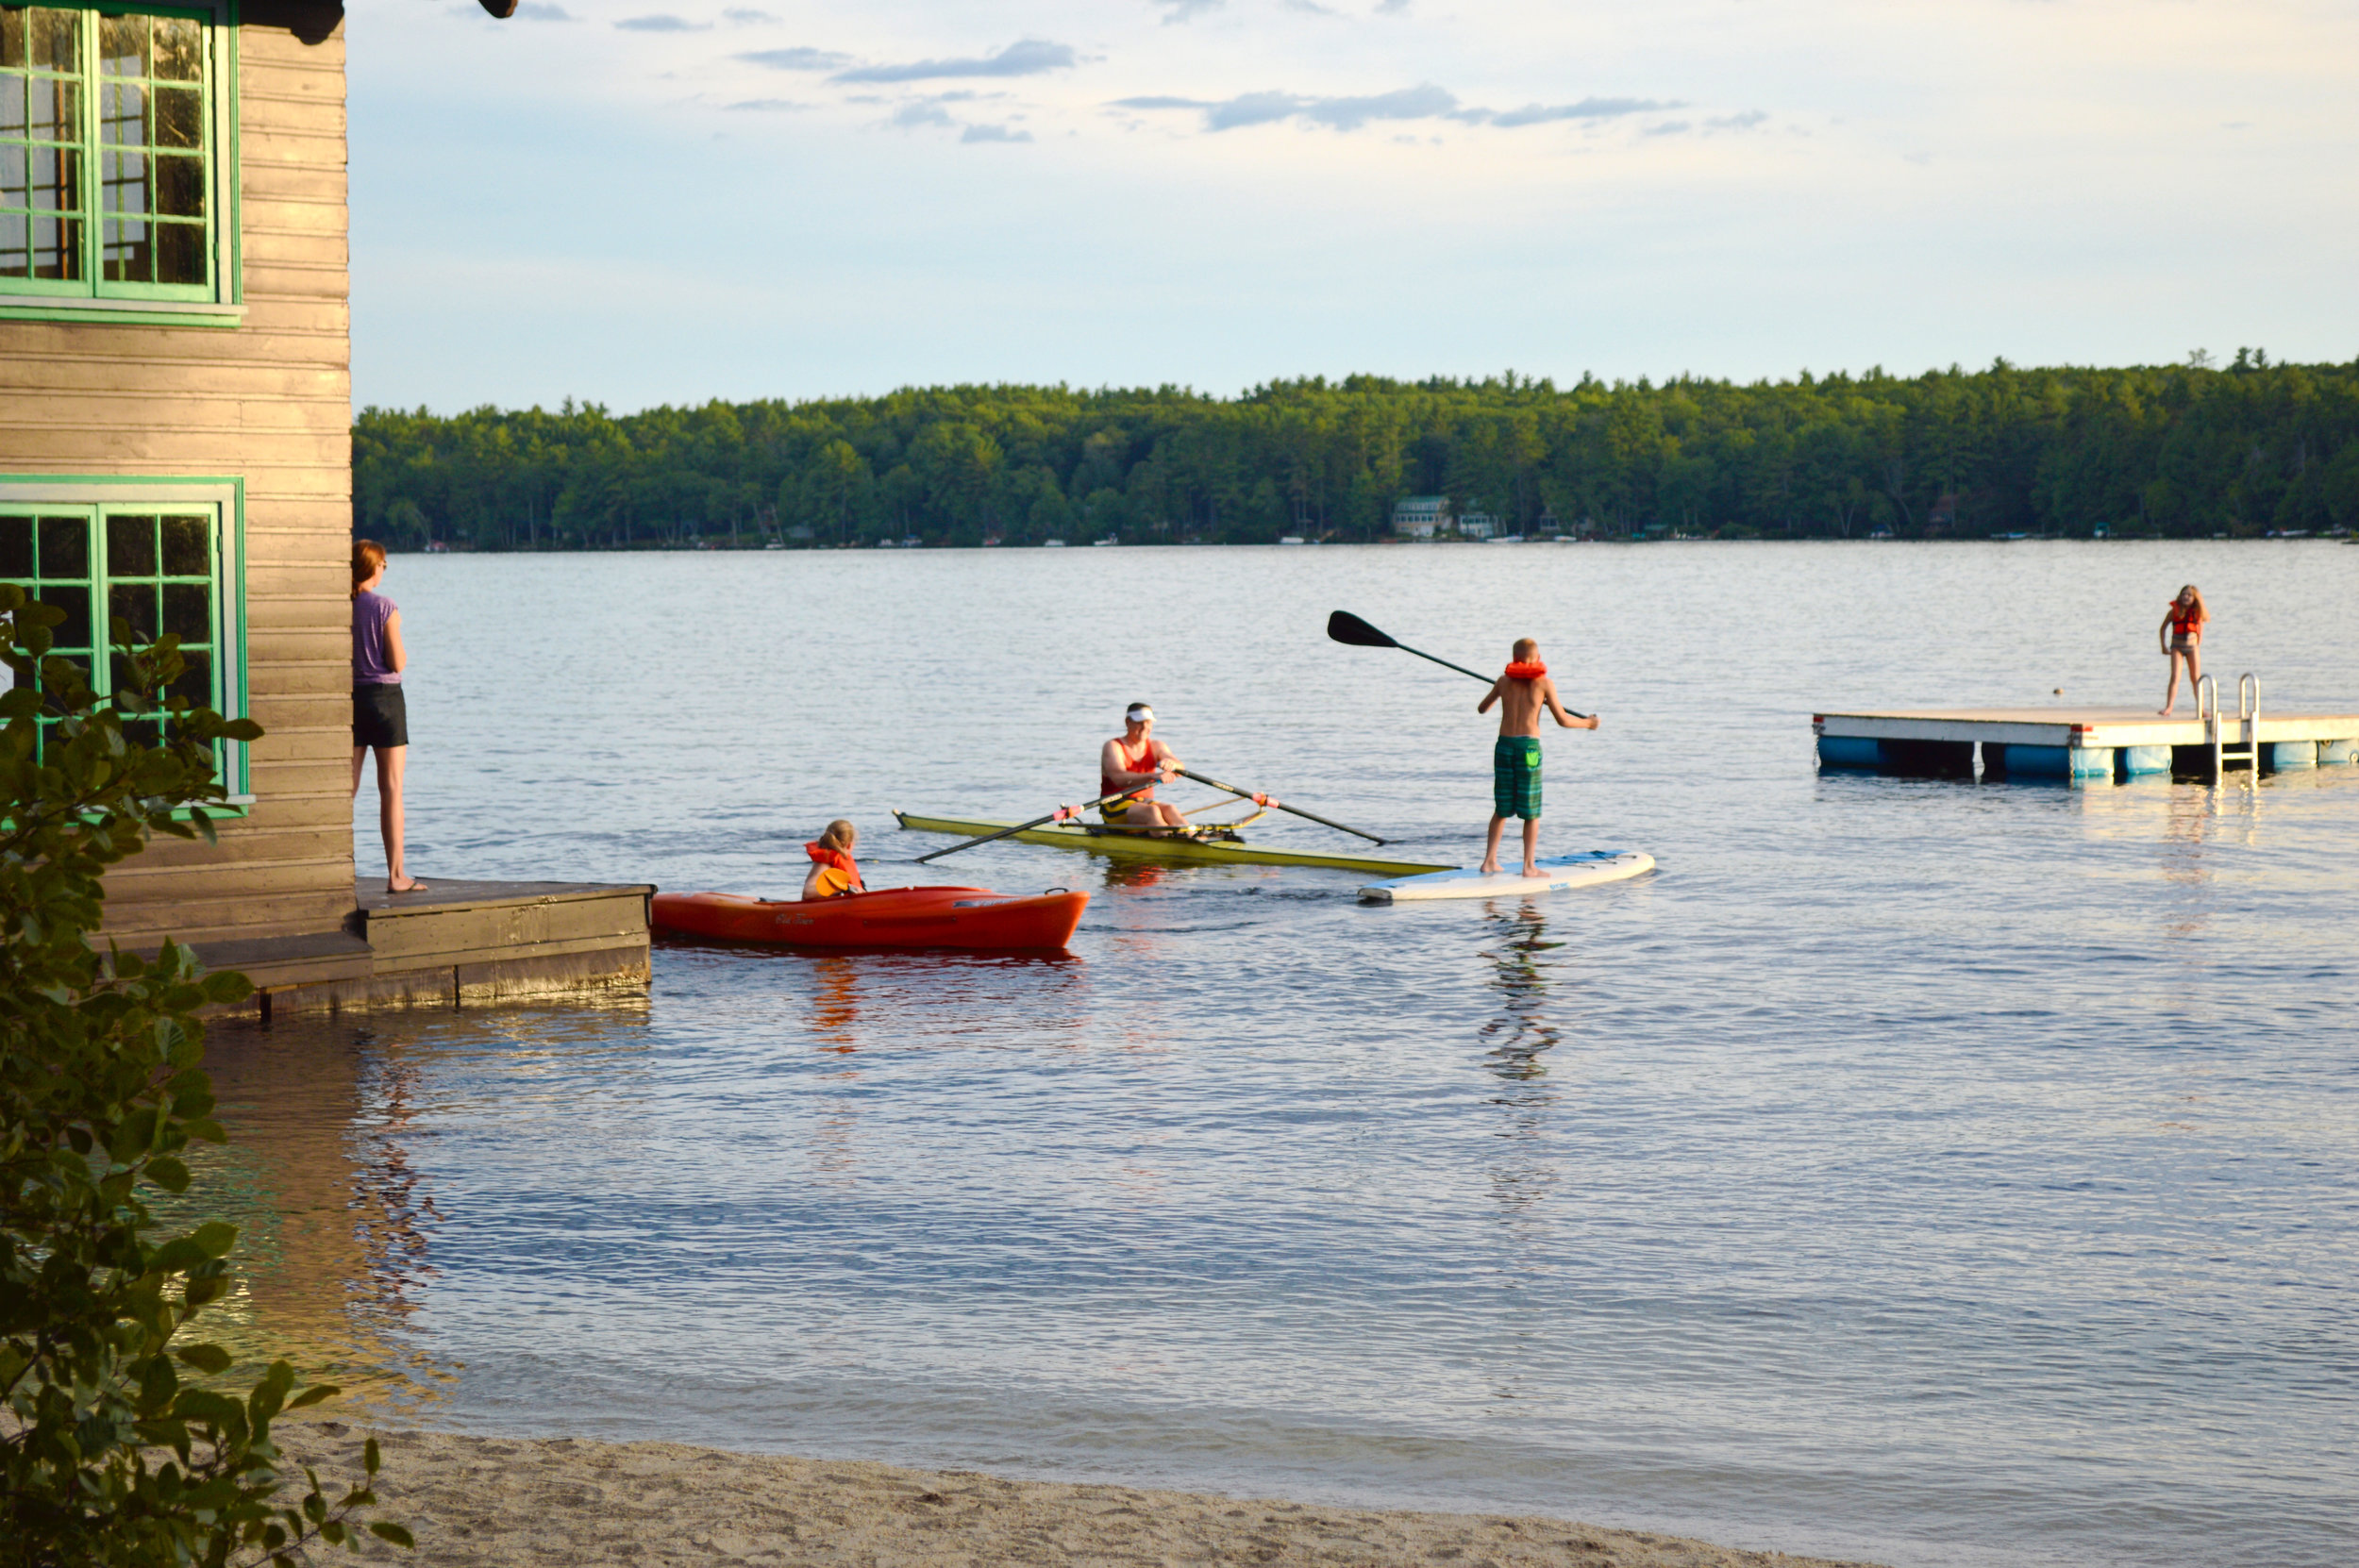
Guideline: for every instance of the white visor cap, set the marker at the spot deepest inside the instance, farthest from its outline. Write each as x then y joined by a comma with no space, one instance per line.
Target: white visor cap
1138,714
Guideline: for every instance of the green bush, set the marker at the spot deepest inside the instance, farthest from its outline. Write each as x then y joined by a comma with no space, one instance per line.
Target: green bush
112,1454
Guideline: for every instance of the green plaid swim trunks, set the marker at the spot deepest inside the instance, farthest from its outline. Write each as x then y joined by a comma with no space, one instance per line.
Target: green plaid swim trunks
1516,777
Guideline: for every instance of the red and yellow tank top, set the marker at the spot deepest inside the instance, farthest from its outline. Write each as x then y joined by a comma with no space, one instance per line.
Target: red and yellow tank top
1143,763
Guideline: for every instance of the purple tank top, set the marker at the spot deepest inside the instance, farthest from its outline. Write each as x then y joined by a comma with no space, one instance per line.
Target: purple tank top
372,664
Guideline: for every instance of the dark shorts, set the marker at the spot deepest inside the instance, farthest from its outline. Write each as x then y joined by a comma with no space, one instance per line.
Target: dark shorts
1516,777
379,716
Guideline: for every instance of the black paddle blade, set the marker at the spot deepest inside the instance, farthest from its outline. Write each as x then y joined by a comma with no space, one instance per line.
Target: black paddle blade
1343,626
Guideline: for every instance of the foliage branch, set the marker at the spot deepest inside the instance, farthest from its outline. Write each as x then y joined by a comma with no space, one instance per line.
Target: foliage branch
109,1453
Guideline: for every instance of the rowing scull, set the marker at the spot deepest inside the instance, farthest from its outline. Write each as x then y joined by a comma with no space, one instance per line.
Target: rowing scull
1133,844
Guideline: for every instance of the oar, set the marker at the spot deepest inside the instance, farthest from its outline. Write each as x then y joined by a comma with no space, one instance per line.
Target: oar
1062,814
1265,800
1343,626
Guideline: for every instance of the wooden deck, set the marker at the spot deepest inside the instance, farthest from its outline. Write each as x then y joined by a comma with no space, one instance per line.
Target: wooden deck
458,944
2074,743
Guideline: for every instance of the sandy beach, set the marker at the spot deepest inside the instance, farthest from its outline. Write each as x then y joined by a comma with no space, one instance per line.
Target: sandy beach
477,1502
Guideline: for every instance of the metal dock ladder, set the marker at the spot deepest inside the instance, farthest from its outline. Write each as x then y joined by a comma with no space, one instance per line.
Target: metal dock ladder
2248,721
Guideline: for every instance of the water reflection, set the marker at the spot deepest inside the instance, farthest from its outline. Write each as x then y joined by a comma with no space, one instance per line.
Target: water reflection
1521,1034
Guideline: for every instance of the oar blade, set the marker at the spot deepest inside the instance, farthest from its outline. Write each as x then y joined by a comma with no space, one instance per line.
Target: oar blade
1343,626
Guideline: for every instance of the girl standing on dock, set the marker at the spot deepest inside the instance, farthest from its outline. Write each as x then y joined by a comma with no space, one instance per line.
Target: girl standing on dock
2181,632
380,716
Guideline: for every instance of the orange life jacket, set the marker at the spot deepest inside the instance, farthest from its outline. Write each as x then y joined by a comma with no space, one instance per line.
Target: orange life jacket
1526,669
2186,620
839,873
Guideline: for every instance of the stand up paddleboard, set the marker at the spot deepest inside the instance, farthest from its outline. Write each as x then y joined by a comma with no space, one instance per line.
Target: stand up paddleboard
1556,874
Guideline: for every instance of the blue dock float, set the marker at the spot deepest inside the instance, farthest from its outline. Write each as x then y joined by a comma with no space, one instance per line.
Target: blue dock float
2084,746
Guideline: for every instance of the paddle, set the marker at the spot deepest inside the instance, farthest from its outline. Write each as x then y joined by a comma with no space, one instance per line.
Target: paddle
1265,800
1343,626
1062,814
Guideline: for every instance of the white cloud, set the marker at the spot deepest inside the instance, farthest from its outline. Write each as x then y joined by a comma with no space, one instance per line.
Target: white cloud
1030,57
662,23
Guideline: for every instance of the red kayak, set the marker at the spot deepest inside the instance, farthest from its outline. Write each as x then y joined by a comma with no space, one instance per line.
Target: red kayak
889,917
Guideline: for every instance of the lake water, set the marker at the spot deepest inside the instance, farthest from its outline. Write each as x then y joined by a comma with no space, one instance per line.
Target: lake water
1929,1172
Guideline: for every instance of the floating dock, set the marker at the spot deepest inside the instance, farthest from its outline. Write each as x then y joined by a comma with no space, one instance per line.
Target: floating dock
458,943
2083,744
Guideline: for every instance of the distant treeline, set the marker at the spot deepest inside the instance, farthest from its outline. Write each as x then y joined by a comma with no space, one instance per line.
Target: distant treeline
2188,449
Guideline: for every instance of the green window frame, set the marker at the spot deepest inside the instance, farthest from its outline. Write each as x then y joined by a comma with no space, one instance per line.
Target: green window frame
164,556
115,161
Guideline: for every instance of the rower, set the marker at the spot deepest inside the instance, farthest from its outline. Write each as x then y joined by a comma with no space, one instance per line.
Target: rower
833,872
1131,759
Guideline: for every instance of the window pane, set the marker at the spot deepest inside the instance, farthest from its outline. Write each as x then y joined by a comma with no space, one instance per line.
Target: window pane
122,46
188,547
53,39
134,602
142,732
16,547
179,49
53,109
127,258
57,248
57,182
131,546
180,117
11,101
16,244
180,187
11,38
122,182
13,176
123,114
64,547
196,681
188,612
74,631
179,253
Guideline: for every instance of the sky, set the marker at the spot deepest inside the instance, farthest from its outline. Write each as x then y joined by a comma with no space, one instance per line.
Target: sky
634,202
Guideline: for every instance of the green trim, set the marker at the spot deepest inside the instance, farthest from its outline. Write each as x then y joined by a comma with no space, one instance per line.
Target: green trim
122,491
97,312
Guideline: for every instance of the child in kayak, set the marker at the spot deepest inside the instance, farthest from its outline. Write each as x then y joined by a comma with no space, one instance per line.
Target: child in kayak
833,872
1522,692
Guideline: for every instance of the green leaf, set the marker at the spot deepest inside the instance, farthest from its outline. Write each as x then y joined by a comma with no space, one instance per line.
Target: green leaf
370,1458
168,1173
212,1359
227,986
315,1395
216,1237
395,1533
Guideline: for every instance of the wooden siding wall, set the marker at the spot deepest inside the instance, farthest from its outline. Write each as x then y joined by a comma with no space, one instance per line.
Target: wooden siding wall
271,401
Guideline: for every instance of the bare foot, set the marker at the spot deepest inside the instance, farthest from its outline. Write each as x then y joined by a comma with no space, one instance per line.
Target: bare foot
2162,713
408,884
1490,868
1532,870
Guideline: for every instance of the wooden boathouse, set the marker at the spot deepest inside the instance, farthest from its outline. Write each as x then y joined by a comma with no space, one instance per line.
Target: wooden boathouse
176,411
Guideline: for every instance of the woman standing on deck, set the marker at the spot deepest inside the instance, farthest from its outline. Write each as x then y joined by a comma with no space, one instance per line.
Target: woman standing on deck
2182,633
380,718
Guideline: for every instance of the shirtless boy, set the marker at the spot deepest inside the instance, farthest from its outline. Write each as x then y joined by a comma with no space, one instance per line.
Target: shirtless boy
1134,757
1521,692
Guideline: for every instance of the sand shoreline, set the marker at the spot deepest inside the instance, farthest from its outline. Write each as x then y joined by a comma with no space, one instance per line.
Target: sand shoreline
484,1502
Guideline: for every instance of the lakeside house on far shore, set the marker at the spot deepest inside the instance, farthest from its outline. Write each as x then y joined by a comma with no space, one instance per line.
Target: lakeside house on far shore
176,449
1429,516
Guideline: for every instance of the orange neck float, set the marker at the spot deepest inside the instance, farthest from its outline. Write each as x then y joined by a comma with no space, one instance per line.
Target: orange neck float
1526,669
837,858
